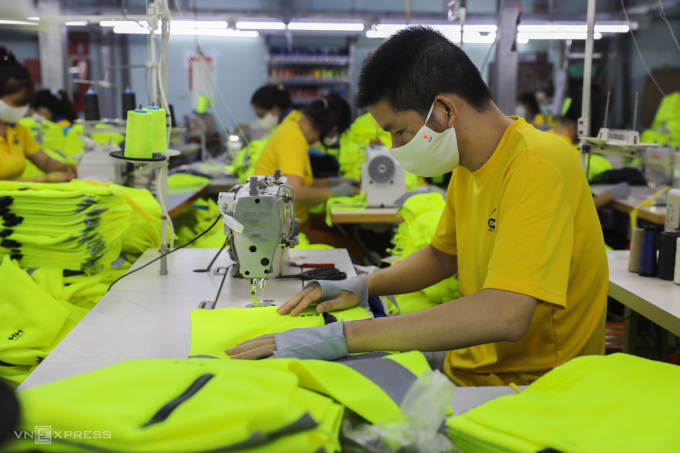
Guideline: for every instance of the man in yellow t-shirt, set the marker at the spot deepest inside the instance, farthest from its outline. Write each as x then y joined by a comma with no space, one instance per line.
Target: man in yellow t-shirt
519,228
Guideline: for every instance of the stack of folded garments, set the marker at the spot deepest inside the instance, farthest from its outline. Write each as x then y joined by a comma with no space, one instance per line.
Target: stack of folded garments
76,226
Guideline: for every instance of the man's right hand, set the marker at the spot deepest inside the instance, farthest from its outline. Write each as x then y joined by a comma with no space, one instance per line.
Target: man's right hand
334,295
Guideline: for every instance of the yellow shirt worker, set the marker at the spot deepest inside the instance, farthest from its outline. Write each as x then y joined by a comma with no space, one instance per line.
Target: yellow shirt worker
519,230
14,147
528,230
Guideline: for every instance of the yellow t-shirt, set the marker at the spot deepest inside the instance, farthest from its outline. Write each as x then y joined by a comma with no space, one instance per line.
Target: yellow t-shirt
14,147
287,151
527,224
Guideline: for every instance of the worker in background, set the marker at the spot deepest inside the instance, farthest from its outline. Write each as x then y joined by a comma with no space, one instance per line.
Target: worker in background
272,104
527,108
16,144
567,129
324,120
54,106
519,229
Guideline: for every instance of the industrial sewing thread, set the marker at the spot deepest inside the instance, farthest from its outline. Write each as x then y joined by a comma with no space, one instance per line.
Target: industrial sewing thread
635,249
676,278
202,104
648,253
128,101
139,135
160,139
91,106
667,254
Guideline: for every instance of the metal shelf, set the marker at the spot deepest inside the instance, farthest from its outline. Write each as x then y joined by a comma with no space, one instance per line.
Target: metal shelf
311,80
308,60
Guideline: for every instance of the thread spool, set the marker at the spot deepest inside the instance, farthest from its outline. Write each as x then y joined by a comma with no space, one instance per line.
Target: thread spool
635,249
160,131
202,104
648,253
128,101
676,277
173,121
667,252
91,106
139,135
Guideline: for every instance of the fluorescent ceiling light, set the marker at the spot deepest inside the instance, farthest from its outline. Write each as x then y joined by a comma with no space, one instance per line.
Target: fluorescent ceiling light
219,32
571,28
326,26
525,37
15,22
260,25
202,24
76,23
117,23
33,18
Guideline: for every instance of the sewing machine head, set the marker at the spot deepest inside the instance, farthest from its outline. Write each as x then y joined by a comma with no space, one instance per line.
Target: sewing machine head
260,225
383,180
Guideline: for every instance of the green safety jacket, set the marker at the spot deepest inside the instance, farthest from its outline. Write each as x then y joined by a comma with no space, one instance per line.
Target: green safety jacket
195,405
617,403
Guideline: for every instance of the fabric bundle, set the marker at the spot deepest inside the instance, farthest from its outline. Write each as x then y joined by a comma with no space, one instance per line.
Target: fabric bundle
77,226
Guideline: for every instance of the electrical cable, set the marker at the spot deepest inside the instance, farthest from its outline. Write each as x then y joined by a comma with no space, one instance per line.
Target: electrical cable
632,35
662,13
166,254
493,44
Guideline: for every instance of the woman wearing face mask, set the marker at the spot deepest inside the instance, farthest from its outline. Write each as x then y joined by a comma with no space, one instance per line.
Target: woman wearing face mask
272,104
324,120
16,144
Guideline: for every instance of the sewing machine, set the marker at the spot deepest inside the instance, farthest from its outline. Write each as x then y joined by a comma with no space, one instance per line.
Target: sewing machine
261,226
383,180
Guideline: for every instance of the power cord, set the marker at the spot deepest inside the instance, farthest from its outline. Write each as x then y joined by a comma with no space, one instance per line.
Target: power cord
166,254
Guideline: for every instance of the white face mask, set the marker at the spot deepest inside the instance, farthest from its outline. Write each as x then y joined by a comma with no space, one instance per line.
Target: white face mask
10,114
269,121
331,141
521,111
429,153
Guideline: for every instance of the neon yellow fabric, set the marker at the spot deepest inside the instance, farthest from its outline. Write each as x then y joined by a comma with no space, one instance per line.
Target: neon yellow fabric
666,125
14,147
177,180
421,214
242,402
363,130
354,203
593,404
516,235
304,244
33,322
106,138
197,219
213,331
287,151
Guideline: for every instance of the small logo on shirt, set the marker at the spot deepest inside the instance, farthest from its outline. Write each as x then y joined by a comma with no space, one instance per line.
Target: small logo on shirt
16,335
492,222
428,138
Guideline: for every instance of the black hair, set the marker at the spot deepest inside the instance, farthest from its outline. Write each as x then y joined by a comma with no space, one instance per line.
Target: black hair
58,105
531,102
270,96
14,76
413,66
328,112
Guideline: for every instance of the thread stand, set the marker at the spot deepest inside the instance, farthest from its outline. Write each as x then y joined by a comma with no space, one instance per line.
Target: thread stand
158,161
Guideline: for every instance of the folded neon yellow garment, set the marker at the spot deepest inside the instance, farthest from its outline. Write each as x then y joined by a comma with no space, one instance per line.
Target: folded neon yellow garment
354,203
421,215
666,125
277,405
182,406
361,132
213,331
177,180
32,322
612,403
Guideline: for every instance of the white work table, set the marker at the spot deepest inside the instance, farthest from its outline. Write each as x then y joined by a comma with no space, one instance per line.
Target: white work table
146,315
638,194
656,299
